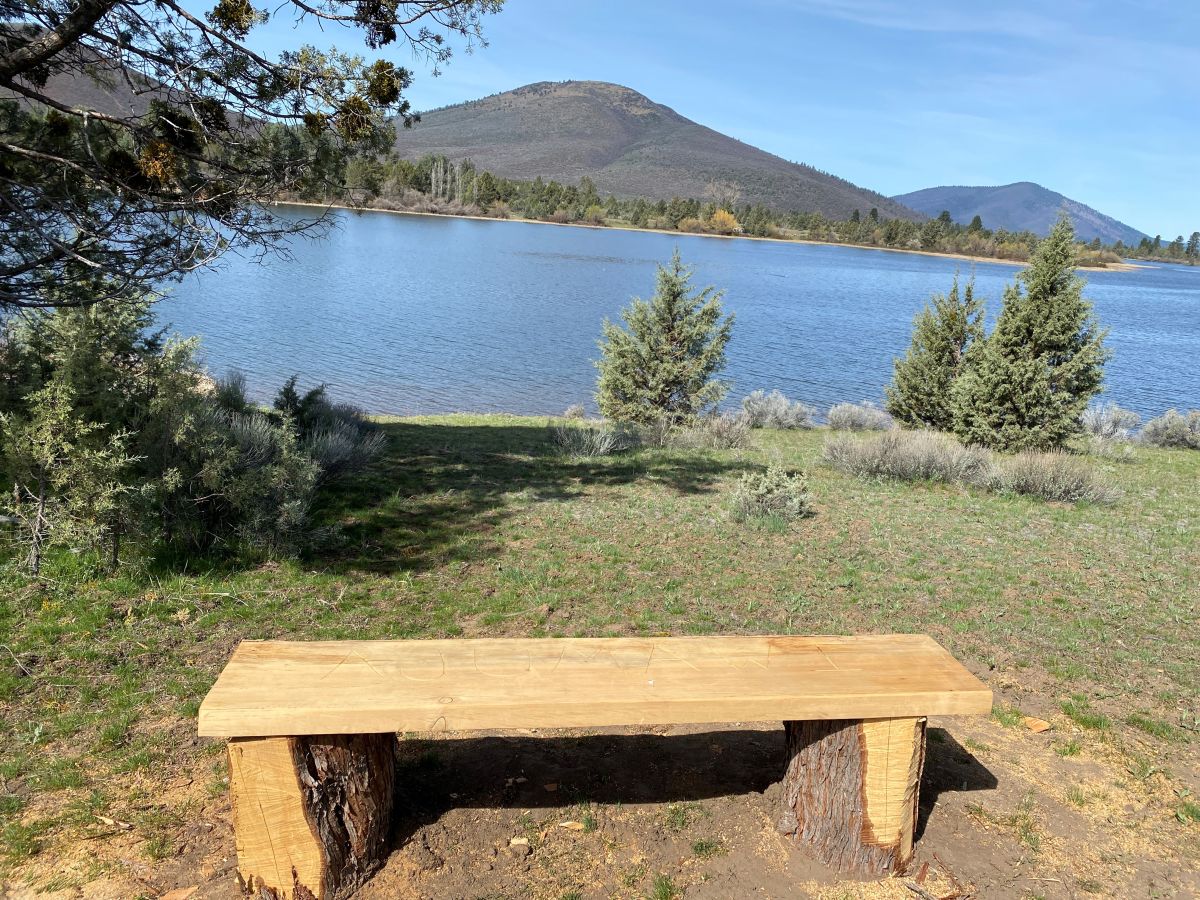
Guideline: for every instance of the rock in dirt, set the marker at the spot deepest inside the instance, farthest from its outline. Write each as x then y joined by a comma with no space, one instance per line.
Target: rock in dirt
519,847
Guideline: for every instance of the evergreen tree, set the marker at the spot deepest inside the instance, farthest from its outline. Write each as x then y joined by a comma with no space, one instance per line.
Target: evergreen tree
662,366
67,480
1026,385
976,225
921,390
149,191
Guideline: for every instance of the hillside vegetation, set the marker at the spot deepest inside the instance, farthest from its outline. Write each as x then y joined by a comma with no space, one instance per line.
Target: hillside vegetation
1023,206
627,145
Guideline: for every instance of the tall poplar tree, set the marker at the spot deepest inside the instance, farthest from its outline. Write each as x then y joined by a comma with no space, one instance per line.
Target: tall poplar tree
1027,384
663,364
921,390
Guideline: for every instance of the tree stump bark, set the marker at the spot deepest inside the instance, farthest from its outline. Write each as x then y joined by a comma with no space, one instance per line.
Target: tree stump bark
850,791
311,814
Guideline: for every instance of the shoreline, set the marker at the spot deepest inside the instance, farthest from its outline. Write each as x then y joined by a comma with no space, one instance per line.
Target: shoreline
1115,267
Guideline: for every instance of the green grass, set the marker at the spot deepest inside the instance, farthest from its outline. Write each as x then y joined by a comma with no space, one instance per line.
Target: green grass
471,526
1008,716
1068,748
1153,727
1021,821
663,889
1079,710
705,849
680,815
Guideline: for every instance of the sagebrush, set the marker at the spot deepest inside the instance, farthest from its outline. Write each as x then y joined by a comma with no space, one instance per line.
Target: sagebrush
1174,430
774,410
720,431
1109,422
774,493
932,456
1052,475
858,417
909,456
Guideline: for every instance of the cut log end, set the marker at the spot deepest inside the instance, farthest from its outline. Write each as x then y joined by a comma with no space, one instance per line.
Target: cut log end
311,814
850,791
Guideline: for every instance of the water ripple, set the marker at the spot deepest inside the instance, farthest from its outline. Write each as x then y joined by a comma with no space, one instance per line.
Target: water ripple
405,314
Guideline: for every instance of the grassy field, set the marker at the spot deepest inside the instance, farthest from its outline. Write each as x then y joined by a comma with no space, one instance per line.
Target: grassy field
470,526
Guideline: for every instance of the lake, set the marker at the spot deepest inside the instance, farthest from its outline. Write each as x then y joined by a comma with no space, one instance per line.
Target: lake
420,314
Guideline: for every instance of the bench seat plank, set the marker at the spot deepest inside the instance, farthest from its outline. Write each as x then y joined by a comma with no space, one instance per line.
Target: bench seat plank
275,688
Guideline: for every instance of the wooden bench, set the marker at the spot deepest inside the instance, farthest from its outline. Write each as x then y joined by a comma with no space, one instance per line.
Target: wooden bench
312,730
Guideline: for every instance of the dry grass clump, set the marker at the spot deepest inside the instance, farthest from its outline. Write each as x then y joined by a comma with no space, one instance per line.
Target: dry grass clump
585,441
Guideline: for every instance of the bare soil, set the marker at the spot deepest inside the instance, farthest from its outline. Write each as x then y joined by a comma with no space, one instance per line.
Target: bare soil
607,812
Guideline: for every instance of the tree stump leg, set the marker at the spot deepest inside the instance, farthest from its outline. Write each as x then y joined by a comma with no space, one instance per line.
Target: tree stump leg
311,815
850,791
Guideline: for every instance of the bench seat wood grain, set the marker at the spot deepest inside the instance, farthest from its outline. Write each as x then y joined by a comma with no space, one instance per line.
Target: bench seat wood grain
360,687
309,721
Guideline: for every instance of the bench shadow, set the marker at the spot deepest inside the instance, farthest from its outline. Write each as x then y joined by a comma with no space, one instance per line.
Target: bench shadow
949,767
512,772
438,492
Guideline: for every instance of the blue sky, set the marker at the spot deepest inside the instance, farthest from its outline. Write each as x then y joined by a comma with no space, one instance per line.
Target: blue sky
1097,100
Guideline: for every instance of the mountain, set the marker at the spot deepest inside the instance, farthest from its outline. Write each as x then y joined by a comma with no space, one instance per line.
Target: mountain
628,145
1023,206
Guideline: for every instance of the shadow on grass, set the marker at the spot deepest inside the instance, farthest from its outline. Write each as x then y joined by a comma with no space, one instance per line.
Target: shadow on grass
439,491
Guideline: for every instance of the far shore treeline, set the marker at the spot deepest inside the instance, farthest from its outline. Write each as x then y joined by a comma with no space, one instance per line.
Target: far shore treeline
437,184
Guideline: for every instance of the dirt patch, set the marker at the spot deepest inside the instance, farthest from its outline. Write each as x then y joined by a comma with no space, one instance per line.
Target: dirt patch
690,812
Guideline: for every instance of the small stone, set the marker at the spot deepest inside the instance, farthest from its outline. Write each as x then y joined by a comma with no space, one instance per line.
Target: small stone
551,787
519,847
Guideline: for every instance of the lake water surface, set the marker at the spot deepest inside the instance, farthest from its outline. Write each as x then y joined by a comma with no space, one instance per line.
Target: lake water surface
418,314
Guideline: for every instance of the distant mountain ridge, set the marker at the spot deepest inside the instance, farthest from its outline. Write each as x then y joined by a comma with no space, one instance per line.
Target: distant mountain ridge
629,146
1022,206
